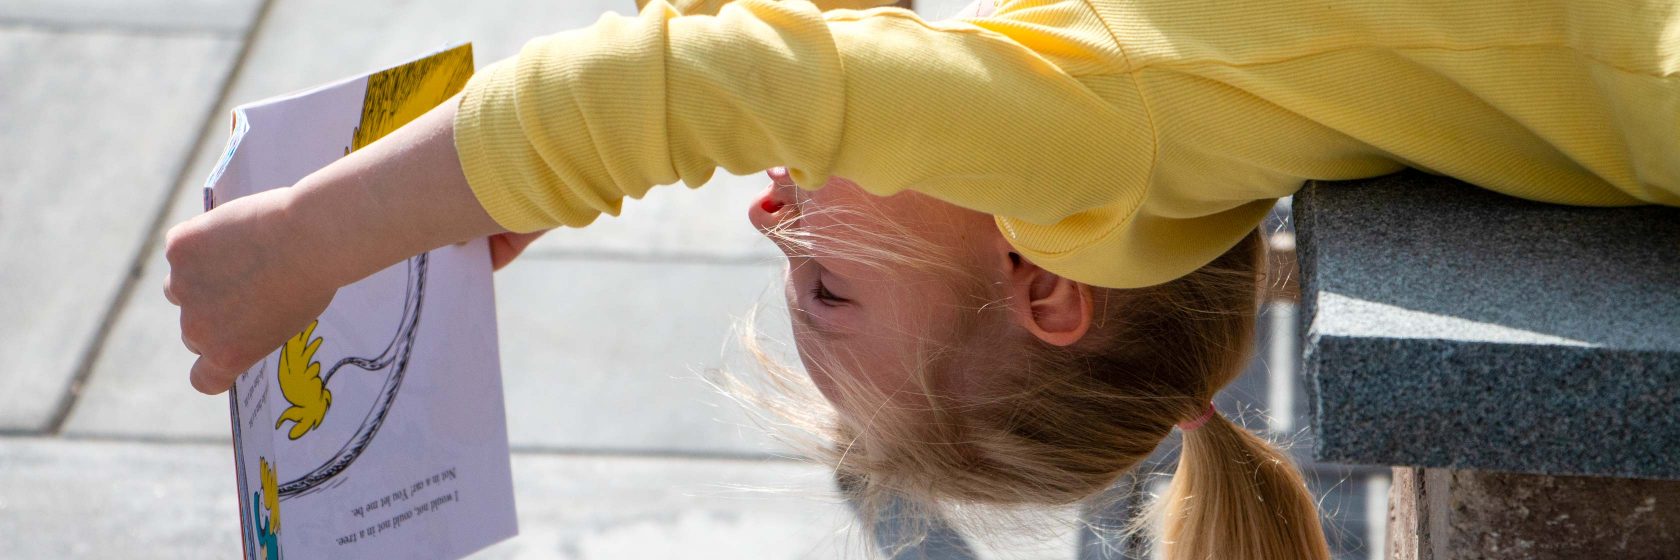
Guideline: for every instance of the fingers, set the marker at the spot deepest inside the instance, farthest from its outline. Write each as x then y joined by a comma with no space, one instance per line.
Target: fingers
168,293
501,252
521,241
211,379
237,303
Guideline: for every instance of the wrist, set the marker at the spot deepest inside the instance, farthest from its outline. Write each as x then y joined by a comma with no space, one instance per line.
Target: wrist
398,197
318,243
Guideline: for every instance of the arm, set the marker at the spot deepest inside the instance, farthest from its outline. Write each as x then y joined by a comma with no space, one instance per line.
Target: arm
258,269
1120,168
582,119
398,197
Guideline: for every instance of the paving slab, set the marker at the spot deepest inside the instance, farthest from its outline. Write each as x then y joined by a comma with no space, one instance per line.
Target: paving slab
142,370
97,124
611,355
599,355
229,17
86,499
75,498
303,43
674,222
588,508
99,499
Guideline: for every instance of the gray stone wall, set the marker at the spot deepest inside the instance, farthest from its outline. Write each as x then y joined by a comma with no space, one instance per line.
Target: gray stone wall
1442,514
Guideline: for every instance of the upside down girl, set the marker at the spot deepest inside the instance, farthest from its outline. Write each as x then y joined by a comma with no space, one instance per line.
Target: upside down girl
1022,245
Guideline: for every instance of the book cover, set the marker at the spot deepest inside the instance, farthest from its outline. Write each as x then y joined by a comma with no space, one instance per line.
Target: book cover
379,430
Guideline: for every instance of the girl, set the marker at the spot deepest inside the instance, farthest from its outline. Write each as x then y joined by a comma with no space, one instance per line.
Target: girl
1033,248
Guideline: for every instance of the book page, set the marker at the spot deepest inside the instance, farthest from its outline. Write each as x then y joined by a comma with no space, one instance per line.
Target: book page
378,431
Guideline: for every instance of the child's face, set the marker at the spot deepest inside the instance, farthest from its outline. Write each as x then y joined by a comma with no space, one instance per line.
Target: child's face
869,317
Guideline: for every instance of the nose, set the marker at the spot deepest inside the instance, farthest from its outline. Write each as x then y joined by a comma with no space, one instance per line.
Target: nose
782,186
776,204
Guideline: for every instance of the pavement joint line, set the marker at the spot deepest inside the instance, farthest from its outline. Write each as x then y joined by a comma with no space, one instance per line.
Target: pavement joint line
548,451
531,450
139,439
12,23
13,433
125,292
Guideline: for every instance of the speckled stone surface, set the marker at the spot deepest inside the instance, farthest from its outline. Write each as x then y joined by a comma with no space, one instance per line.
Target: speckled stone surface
1449,326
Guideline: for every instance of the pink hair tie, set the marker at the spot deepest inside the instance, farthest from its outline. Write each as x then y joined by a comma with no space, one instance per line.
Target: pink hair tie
1197,423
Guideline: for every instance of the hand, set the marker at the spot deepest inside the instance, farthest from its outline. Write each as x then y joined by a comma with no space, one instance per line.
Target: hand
256,270
246,280
505,246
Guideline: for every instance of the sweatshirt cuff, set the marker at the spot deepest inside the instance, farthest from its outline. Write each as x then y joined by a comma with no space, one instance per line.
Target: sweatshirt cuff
490,147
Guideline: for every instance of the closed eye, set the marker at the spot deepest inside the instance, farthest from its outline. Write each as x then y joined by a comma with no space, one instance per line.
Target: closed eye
823,296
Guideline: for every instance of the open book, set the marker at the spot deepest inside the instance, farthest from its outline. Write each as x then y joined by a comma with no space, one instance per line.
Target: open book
378,431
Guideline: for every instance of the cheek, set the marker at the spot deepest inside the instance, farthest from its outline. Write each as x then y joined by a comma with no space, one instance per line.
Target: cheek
822,377
825,384
856,376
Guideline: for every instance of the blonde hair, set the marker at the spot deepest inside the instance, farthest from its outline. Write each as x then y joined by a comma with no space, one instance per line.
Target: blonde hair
1037,425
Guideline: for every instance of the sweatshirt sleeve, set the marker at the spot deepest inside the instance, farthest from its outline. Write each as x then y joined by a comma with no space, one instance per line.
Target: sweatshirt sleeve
577,121
1119,154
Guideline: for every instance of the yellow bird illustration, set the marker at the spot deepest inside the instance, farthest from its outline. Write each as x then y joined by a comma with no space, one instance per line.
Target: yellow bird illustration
270,494
300,382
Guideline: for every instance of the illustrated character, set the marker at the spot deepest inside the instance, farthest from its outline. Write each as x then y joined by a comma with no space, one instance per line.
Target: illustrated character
398,95
270,493
300,381
266,500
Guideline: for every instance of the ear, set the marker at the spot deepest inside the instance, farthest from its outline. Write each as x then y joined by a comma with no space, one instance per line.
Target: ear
1054,309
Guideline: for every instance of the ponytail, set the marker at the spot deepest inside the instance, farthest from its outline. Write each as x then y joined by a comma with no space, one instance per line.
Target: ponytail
1237,497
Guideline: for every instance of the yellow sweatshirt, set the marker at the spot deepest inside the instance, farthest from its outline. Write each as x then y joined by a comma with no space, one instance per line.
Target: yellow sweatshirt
1118,143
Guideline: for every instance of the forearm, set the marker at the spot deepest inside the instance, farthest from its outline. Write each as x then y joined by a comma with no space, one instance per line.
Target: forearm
400,196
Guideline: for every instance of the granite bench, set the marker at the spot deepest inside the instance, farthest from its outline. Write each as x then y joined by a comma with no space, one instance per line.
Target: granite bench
1519,363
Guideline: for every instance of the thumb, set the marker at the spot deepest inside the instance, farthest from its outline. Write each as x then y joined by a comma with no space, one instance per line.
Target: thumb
209,379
